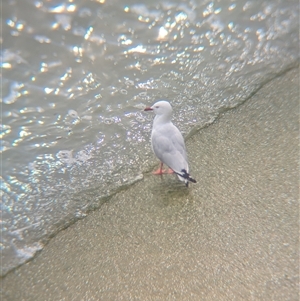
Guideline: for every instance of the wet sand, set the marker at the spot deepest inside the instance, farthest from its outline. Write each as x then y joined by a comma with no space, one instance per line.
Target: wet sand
231,236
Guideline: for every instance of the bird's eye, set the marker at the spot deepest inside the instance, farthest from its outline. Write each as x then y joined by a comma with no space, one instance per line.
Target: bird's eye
156,107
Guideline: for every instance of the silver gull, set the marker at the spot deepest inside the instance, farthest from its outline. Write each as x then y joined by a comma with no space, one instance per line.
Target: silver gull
168,143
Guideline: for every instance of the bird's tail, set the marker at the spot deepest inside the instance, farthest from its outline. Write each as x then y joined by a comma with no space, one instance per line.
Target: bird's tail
186,176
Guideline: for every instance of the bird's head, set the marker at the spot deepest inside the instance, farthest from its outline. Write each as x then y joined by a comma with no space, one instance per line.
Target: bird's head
160,108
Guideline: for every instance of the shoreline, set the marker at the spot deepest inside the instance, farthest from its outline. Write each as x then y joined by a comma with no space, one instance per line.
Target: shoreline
233,235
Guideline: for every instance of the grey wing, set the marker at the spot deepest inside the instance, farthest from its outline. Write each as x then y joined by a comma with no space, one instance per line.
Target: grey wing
169,147
178,142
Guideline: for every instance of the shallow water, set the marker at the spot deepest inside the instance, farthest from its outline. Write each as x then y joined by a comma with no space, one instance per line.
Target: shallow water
76,76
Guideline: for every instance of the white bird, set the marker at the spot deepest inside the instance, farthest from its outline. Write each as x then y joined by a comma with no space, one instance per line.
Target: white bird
168,143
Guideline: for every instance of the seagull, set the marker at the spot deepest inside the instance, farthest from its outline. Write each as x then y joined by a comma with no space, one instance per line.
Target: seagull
167,143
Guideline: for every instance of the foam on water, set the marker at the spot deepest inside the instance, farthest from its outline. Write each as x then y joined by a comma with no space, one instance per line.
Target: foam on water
77,75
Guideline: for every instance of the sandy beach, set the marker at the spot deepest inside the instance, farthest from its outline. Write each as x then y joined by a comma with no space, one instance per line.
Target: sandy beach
231,236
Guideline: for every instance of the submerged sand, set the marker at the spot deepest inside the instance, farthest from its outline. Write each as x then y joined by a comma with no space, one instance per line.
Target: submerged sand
231,236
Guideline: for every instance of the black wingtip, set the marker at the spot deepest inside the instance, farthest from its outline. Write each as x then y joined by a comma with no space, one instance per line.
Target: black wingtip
186,175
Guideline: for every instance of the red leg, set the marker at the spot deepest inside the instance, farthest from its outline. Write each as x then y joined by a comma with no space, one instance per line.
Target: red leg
159,171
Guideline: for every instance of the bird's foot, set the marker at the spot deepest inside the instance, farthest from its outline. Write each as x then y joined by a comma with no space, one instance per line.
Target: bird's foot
163,171
159,172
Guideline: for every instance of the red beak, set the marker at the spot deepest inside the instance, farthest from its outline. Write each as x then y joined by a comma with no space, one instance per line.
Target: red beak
148,109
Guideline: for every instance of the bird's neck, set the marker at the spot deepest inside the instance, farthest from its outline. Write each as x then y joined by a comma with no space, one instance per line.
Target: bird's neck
161,119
